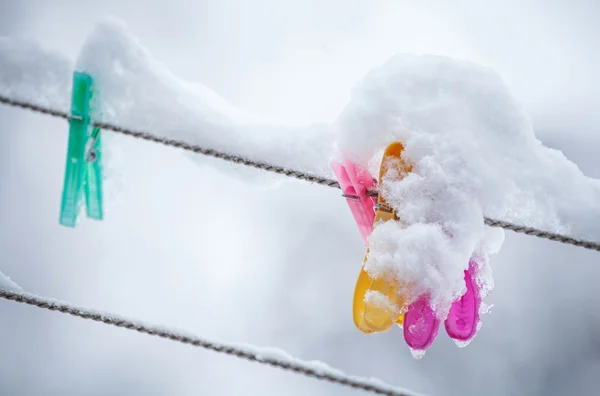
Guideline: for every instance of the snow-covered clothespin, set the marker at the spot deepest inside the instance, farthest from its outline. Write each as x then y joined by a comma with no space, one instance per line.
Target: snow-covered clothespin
83,172
379,303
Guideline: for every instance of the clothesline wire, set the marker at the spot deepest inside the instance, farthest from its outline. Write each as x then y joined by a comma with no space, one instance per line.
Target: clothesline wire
290,364
311,178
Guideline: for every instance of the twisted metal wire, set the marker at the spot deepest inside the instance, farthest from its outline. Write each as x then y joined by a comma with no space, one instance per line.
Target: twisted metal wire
295,365
278,169
177,144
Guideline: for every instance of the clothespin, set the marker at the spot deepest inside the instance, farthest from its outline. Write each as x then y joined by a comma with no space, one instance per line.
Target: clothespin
355,183
83,172
419,321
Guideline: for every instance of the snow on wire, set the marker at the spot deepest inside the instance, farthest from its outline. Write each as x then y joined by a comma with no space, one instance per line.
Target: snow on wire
265,356
592,245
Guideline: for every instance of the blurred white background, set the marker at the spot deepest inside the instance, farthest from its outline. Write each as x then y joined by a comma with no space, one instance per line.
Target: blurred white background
184,245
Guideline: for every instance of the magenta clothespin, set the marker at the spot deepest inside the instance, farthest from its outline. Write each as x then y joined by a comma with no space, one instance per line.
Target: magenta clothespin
421,324
354,182
463,318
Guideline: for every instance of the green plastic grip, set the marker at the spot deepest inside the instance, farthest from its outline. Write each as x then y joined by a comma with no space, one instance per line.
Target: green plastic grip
83,172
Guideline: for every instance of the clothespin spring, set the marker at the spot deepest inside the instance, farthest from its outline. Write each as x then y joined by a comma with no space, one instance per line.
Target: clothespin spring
90,152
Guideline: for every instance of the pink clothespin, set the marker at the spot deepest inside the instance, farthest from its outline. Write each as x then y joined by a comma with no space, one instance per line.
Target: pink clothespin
355,182
461,323
421,324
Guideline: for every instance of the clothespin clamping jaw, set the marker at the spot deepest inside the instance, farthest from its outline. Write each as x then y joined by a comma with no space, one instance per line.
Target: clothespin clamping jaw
83,172
355,184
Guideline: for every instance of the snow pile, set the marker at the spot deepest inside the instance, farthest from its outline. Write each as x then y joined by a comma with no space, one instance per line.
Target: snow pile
473,152
140,92
30,72
8,284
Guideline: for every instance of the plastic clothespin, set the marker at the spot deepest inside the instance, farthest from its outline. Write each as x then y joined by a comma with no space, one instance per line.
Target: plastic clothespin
83,166
355,182
420,322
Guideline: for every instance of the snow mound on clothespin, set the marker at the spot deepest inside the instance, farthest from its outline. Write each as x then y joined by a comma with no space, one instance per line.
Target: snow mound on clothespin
474,153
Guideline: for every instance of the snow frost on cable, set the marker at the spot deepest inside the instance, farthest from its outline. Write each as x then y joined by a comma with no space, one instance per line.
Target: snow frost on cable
140,92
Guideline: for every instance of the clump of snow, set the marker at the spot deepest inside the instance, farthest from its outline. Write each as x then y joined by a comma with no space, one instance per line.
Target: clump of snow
485,309
30,72
417,353
378,299
473,152
8,284
269,354
140,92
463,344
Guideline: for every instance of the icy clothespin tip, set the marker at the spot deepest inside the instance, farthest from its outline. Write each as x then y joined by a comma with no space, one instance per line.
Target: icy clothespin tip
83,171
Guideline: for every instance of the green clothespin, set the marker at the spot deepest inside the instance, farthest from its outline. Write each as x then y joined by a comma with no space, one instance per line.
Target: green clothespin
83,169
